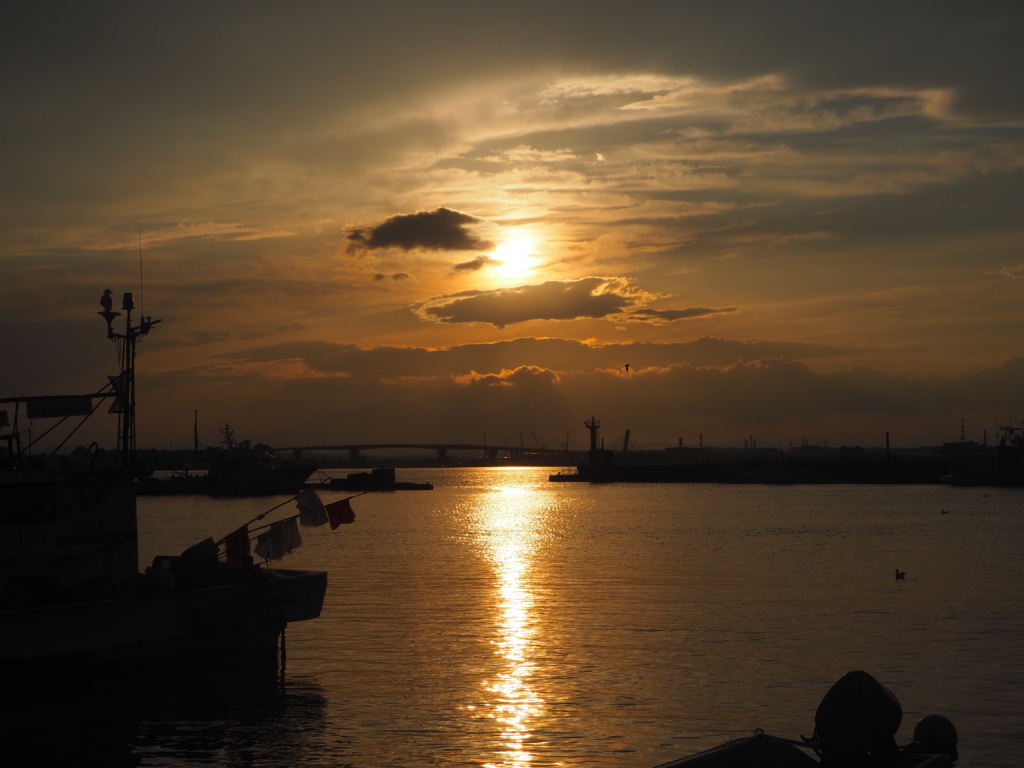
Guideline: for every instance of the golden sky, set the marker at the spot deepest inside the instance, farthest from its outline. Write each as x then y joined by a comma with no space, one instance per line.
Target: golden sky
427,221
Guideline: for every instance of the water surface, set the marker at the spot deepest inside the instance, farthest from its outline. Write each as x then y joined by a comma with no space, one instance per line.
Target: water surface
501,620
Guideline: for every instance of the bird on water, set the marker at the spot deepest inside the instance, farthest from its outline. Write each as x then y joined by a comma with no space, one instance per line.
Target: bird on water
900,575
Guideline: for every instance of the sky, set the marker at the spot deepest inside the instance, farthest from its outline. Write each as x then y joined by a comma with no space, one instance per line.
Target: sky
407,221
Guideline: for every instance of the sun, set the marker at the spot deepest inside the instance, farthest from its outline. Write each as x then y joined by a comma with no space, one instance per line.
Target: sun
515,257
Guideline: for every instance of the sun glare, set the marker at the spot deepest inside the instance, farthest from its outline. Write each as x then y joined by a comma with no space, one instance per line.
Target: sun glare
515,257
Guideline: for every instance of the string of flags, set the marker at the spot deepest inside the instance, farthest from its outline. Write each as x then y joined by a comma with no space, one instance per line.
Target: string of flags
282,537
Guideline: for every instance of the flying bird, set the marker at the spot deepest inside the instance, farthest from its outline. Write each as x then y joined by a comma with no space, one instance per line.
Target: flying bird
107,300
627,367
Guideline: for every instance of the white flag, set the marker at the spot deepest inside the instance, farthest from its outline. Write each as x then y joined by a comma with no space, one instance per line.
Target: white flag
311,509
281,539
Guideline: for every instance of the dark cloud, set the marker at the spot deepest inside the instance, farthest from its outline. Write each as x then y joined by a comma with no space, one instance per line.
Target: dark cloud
439,230
474,264
655,315
611,297
553,300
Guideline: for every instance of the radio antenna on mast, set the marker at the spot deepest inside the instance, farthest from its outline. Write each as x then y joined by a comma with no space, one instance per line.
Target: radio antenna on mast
142,293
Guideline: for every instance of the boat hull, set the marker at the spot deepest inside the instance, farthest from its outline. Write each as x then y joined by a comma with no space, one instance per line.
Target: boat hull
339,484
244,617
285,479
763,751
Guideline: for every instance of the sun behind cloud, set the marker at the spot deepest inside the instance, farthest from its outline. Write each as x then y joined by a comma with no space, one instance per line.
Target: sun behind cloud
514,257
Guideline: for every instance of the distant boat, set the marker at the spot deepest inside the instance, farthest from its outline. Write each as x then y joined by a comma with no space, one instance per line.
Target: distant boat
179,483
980,465
378,479
236,469
240,470
236,472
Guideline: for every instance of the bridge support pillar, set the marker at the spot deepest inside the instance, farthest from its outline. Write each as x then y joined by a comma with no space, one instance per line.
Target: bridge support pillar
492,454
353,454
442,454
297,453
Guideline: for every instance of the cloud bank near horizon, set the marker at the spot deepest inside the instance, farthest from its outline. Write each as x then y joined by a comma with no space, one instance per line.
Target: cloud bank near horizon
779,400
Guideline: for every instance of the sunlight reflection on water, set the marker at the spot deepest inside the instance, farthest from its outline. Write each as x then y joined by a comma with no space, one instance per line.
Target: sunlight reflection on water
509,518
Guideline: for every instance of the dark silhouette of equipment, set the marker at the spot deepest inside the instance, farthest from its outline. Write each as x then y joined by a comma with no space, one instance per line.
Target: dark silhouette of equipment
854,727
900,575
594,426
934,734
856,723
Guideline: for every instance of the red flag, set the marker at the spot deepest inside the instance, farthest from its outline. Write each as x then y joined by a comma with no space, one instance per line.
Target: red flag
340,512
236,545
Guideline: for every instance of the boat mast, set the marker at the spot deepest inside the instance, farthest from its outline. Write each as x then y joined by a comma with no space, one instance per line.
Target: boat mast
124,383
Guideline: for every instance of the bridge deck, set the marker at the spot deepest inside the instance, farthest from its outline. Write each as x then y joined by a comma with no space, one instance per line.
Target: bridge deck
420,446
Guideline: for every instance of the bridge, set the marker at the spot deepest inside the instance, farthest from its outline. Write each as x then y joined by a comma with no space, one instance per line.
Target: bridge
491,451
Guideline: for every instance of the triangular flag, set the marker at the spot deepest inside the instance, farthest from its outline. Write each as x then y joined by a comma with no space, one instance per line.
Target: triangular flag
311,509
340,512
236,545
281,539
117,384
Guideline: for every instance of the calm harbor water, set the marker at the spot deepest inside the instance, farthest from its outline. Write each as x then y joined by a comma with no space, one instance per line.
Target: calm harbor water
502,620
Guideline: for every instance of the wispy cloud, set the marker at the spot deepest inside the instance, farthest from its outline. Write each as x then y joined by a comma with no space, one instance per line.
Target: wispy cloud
1015,271
473,265
647,314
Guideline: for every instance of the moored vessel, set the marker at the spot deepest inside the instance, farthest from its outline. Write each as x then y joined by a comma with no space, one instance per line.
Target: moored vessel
240,469
981,465
377,479
70,588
